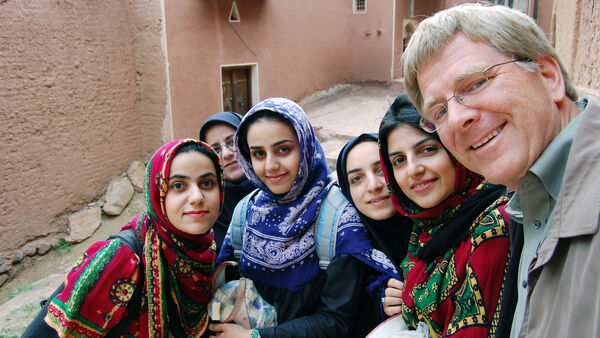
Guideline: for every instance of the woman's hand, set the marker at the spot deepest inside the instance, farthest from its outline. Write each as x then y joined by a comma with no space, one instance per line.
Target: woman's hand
392,302
230,330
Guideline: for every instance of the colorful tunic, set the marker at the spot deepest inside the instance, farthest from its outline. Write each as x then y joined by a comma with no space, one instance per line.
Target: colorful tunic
178,269
457,293
458,251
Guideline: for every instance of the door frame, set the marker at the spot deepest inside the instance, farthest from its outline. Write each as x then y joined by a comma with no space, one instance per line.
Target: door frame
253,95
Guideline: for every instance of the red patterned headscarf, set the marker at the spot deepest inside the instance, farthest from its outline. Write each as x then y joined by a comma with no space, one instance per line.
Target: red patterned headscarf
189,258
178,269
401,112
466,182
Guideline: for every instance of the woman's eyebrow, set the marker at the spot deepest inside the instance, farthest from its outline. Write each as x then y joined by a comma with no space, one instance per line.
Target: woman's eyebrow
352,171
359,169
273,145
281,142
187,177
423,141
210,173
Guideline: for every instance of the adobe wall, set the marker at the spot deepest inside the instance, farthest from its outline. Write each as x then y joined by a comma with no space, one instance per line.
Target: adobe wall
76,106
299,46
578,42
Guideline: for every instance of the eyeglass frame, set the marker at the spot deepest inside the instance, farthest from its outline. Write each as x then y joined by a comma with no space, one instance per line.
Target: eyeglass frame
426,123
228,144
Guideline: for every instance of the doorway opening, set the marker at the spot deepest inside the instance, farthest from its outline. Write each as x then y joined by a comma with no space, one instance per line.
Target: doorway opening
239,85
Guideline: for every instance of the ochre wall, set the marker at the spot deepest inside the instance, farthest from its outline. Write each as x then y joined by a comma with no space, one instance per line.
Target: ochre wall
578,42
299,46
73,110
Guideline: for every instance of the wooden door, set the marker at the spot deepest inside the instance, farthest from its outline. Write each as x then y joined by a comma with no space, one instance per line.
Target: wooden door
236,89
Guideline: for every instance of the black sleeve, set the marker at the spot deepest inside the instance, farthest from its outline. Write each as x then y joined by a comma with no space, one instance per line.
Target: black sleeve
38,327
340,299
510,294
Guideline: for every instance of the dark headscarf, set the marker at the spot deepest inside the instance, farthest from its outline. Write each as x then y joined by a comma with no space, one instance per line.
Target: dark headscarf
390,235
234,191
230,118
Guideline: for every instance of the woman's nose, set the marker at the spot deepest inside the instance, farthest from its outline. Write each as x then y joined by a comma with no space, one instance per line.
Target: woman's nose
271,163
415,167
196,195
374,183
226,152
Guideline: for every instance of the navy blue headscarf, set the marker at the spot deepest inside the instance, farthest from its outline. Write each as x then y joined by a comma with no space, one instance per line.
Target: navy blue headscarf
229,118
391,235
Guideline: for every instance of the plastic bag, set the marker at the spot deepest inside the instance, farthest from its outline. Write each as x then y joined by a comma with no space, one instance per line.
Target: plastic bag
395,327
238,301
422,331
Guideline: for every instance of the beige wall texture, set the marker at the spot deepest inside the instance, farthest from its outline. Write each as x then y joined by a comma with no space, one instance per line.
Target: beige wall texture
299,47
577,40
82,93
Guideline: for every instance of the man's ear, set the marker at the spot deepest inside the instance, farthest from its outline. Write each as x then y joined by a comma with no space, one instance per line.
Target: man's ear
553,76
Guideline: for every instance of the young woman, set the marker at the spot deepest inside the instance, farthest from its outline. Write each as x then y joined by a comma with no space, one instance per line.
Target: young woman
277,149
361,179
458,250
184,191
218,131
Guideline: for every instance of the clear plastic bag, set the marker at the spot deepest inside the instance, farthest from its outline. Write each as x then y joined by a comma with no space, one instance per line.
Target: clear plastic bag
238,301
395,327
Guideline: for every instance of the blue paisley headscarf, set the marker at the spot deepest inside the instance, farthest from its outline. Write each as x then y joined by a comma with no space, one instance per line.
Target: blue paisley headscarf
279,239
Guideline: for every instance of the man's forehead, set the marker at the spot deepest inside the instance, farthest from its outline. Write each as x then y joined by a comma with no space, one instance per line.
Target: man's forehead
457,59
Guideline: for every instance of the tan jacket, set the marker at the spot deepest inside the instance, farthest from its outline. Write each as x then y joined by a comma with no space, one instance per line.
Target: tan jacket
564,297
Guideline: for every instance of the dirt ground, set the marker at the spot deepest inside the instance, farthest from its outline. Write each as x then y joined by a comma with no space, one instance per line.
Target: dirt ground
20,298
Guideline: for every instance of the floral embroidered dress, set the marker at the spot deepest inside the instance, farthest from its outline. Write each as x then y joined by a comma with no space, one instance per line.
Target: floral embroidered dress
178,268
457,258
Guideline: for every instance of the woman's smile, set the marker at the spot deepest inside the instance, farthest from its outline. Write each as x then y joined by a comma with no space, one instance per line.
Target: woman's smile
423,185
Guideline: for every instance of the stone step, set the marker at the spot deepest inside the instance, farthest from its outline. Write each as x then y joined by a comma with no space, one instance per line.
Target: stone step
332,143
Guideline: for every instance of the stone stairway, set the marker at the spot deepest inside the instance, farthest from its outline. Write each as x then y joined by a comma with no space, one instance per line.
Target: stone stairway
332,143
348,110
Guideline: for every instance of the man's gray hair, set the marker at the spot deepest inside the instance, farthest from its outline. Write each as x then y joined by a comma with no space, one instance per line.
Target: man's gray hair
509,31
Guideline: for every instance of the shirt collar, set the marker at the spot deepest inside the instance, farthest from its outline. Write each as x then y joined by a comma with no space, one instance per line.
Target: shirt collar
549,168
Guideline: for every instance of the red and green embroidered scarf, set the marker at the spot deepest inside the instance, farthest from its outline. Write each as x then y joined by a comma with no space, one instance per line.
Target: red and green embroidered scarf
457,293
178,267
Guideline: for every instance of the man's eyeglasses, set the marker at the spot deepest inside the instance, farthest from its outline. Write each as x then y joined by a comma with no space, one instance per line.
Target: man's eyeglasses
228,143
465,93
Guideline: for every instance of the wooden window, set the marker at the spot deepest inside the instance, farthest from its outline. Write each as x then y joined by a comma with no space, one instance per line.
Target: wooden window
359,6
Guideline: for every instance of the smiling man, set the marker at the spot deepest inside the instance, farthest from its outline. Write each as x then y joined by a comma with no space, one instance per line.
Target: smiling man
491,85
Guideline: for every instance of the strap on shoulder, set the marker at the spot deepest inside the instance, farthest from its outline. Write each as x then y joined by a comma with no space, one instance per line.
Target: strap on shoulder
129,238
237,224
328,221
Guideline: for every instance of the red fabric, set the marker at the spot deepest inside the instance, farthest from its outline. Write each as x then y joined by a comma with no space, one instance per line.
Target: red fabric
486,262
99,287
